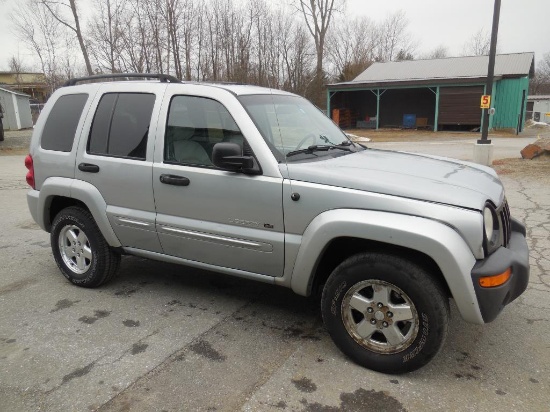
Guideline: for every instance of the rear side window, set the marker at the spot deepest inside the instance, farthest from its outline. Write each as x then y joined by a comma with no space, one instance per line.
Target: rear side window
121,125
60,128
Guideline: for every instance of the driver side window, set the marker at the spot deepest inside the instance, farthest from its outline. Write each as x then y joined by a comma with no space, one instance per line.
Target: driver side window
195,125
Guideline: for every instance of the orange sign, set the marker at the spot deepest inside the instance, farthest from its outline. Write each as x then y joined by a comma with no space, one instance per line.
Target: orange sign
485,101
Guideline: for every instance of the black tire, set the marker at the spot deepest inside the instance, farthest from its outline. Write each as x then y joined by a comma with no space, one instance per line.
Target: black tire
409,288
98,262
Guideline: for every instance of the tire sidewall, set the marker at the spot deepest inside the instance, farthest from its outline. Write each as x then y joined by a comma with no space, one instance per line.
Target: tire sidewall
413,281
69,218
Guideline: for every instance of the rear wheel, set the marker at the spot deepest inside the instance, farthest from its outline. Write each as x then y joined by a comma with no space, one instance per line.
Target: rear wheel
386,313
80,250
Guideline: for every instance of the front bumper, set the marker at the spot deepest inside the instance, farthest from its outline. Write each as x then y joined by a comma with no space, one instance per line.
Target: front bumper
516,256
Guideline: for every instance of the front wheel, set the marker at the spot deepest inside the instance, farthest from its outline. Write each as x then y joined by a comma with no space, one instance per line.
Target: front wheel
80,250
384,312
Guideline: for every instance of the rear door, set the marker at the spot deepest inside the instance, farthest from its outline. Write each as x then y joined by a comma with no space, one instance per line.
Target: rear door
116,157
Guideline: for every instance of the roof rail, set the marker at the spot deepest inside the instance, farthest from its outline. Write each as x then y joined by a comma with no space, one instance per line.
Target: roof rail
164,78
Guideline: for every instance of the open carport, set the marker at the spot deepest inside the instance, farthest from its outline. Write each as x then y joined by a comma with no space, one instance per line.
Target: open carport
439,94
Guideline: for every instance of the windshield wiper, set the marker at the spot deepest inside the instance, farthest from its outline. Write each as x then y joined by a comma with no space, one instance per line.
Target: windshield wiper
319,148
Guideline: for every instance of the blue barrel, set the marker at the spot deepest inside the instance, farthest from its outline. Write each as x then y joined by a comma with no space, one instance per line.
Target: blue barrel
409,121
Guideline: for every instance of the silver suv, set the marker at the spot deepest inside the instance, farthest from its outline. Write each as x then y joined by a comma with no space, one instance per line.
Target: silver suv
258,183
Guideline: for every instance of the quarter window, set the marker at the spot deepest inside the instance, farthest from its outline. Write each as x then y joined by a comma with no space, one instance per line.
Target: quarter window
121,125
195,125
60,128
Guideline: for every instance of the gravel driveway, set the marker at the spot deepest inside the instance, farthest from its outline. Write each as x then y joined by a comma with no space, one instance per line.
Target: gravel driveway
165,337
15,142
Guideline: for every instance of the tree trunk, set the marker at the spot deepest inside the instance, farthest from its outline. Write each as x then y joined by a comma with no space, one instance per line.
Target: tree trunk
80,38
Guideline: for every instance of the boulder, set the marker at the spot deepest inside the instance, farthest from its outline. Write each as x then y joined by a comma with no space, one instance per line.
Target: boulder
541,146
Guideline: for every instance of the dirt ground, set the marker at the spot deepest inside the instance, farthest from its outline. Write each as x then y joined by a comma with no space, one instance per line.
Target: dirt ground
538,168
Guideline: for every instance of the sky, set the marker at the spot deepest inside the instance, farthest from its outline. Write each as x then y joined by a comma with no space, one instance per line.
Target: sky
524,25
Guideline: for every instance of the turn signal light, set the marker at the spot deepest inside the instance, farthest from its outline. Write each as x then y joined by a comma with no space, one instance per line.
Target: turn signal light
496,280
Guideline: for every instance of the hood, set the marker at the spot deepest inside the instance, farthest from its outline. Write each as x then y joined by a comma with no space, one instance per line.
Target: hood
410,175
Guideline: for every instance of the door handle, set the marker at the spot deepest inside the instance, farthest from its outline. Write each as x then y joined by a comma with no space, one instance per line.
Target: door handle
88,167
174,180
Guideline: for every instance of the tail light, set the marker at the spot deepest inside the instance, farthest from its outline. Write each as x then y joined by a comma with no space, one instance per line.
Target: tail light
30,174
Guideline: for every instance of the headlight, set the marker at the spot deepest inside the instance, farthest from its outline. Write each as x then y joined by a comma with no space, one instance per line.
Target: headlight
492,230
489,221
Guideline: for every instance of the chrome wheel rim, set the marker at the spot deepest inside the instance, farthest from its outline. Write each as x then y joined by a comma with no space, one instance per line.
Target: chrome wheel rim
75,249
380,316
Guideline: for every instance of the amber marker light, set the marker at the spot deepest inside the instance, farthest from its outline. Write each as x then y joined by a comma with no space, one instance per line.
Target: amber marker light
495,280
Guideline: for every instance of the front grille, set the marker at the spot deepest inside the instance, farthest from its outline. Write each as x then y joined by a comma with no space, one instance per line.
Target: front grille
505,223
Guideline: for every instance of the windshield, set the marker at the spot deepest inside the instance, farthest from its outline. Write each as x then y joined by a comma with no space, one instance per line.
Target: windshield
294,128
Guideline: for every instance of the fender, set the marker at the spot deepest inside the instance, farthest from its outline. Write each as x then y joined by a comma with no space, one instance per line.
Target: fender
79,190
437,240
40,200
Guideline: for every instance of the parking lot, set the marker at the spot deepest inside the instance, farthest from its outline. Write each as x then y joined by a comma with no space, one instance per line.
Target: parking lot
162,337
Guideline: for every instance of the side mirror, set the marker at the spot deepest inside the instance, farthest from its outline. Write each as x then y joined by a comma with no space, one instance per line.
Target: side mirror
229,156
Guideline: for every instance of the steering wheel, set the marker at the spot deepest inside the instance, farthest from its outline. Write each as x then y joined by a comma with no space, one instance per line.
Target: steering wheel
309,136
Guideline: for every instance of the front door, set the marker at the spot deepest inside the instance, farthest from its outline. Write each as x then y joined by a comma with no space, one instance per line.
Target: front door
207,215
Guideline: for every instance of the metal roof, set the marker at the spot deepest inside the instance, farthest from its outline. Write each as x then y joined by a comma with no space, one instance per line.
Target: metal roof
459,68
7,89
16,73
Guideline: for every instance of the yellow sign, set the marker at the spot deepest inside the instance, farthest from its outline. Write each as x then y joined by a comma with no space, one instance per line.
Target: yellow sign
485,101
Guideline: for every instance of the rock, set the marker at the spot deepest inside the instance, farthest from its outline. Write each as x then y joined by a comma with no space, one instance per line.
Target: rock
541,146
531,124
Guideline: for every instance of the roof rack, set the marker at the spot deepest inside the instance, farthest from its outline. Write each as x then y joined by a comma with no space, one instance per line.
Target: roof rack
164,78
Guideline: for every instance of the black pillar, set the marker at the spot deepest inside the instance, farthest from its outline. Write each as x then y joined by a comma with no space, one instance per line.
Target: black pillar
490,73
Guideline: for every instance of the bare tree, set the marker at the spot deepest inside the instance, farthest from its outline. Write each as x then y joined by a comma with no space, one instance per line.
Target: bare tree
478,45
317,15
351,46
136,42
298,59
540,84
16,66
395,43
172,11
544,66
58,9
106,34
256,41
39,31
440,52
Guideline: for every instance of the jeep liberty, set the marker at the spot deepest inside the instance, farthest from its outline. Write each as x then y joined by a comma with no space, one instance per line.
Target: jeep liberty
258,183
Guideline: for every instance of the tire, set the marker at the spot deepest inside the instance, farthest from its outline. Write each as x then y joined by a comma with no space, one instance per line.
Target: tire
362,300
95,263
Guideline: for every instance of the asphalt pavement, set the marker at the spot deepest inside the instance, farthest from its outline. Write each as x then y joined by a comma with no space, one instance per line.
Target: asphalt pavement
162,337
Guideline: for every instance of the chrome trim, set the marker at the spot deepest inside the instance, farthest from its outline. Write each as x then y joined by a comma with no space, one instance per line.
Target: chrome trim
132,222
192,263
247,244
506,225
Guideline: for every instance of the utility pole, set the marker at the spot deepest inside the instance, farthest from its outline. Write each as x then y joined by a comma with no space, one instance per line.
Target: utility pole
483,151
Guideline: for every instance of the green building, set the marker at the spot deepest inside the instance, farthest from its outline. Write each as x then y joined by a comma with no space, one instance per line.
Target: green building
436,94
